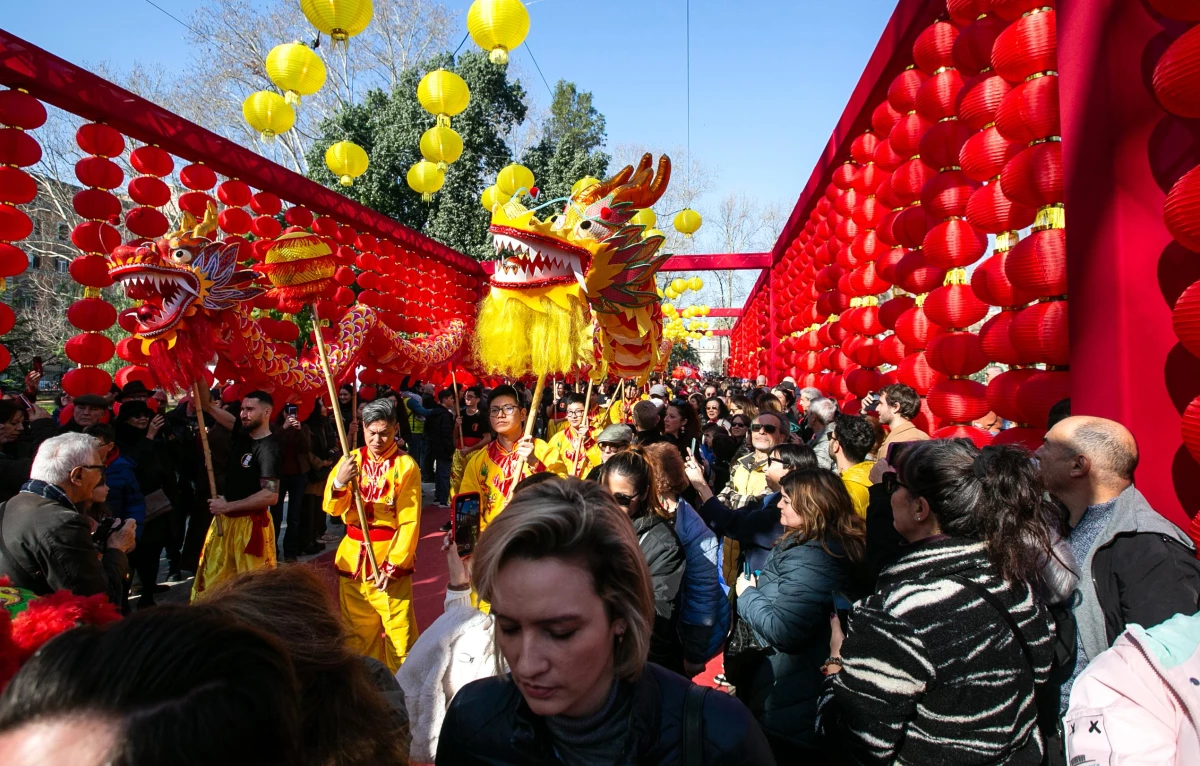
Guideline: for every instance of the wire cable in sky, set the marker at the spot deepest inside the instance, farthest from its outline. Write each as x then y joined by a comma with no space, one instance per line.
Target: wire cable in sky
539,70
167,13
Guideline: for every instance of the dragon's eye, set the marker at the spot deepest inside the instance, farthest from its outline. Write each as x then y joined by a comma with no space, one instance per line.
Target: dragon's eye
585,225
182,256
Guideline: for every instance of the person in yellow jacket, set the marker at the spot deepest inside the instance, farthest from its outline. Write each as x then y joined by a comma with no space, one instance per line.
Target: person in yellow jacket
574,446
491,471
378,611
621,410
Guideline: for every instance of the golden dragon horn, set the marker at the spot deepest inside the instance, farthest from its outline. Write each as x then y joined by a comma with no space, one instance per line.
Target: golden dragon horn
208,225
600,190
647,186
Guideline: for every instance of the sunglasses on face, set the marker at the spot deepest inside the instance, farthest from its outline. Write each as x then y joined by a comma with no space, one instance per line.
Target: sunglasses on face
772,460
738,424
624,500
891,482
764,427
611,446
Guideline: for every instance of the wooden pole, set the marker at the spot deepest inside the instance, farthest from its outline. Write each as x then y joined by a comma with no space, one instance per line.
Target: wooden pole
208,463
353,408
457,412
347,453
530,417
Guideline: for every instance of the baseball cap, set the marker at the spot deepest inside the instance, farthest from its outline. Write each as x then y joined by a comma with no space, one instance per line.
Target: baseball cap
658,390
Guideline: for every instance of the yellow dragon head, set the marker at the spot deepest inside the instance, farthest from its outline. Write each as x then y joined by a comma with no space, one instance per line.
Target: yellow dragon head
576,289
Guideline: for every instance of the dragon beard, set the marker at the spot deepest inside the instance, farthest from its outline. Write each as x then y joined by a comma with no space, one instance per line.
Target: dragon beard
545,330
176,368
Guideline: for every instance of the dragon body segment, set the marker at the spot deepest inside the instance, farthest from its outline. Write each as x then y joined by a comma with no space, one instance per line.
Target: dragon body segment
194,308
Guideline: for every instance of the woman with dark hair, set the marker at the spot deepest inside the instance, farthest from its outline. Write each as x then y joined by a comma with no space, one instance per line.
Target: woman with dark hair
135,430
696,399
715,411
630,478
681,426
324,450
741,405
574,608
940,665
787,606
351,708
184,686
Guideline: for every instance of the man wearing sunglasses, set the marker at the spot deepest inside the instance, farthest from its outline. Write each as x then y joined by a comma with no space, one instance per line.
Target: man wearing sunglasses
748,482
46,542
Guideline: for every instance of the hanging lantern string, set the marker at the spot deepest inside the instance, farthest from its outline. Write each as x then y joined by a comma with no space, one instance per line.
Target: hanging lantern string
170,15
461,42
687,5
539,70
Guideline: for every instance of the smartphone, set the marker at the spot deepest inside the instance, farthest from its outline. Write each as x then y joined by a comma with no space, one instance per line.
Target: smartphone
465,522
37,365
290,410
25,401
842,605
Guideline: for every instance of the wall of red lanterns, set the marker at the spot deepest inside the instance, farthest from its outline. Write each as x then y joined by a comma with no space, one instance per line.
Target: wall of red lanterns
882,277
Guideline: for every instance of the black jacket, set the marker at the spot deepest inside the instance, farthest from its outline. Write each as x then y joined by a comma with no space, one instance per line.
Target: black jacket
49,548
489,723
439,432
16,463
666,559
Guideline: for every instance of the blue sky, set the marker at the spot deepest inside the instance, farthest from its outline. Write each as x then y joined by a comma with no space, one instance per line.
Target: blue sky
769,77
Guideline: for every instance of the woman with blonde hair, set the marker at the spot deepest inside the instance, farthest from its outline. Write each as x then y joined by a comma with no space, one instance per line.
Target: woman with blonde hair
571,596
787,606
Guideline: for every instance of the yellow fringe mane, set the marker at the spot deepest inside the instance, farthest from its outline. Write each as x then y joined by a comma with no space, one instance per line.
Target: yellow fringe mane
533,331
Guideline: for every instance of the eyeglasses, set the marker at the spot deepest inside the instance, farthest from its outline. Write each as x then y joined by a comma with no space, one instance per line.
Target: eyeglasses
765,427
504,409
891,482
611,446
578,412
101,468
738,424
624,500
772,460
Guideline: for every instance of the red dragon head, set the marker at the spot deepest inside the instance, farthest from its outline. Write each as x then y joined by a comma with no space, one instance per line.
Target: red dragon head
179,275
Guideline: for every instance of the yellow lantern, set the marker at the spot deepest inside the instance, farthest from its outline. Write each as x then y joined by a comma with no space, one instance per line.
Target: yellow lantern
347,161
695,283
704,310
645,217
340,19
498,26
491,197
267,112
708,333
652,233
687,222
668,309
441,145
443,93
679,285
296,70
514,179
670,293
425,178
582,184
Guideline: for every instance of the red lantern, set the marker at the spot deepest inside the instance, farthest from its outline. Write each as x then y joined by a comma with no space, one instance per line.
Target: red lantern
938,96
956,354
996,342
1038,263
96,237
89,348
91,271
958,400
942,144
14,224
933,49
198,177
195,202
18,148
8,318
21,110
130,349
891,310
1034,177
91,314
991,283
1002,394
862,149
916,275
963,12
985,154
946,195
13,260
1185,319
991,211
148,190
954,306
954,244
914,329
885,265
265,203
16,186
151,161
147,222
973,48
916,373
100,140
1190,427
905,138
863,381
1030,111
99,172
902,93
886,157
234,193
1039,332
1181,211
234,220
1011,10
884,117
1041,392
978,436
87,380
1182,10
910,226
980,98
1026,47
96,204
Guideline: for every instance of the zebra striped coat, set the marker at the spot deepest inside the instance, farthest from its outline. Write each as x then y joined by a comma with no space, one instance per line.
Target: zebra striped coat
933,674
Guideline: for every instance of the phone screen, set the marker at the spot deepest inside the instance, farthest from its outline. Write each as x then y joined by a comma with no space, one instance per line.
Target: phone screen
290,410
466,522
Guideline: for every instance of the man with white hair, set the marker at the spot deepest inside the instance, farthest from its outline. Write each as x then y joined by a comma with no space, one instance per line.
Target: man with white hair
821,414
46,544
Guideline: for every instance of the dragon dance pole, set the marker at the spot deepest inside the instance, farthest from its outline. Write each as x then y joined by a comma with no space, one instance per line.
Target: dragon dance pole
197,390
353,408
587,425
346,451
529,420
457,413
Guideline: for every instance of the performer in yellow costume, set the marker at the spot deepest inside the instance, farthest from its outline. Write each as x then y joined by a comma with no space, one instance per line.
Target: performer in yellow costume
491,471
246,537
390,484
574,447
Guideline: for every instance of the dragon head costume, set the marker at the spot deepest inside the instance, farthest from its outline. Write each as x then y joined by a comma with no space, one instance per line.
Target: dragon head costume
194,308
576,289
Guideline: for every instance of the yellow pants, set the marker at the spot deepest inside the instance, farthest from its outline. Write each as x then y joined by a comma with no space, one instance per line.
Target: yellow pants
380,624
225,555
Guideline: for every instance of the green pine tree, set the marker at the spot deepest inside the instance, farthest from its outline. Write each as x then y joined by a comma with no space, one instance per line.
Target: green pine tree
389,127
571,144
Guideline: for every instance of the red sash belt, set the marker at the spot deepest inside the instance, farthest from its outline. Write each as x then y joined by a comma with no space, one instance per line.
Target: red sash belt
378,534
261,520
